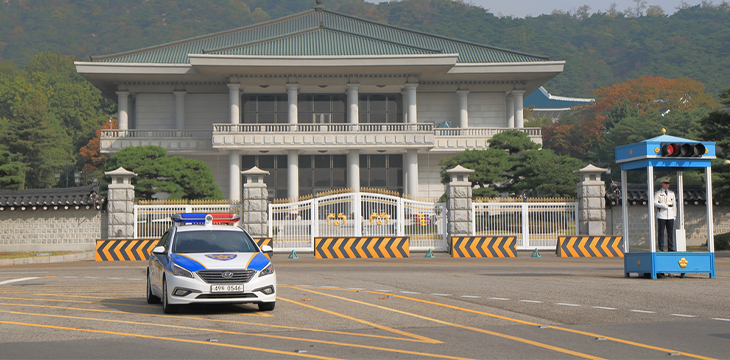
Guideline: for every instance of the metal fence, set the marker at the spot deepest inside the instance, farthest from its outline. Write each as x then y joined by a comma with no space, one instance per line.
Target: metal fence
535,225
293,226
152,220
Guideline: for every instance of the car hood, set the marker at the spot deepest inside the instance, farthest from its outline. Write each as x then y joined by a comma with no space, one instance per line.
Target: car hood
229,261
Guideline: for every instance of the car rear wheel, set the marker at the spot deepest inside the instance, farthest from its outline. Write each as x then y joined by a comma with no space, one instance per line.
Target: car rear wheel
167,308
151,298
267,306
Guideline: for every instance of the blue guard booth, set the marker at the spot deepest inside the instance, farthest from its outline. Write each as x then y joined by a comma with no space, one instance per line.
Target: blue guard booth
675,154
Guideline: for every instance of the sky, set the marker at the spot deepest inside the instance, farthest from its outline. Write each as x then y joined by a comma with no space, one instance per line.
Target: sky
523,8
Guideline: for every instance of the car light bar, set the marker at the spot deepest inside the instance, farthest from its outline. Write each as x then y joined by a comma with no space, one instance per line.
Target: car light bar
203,218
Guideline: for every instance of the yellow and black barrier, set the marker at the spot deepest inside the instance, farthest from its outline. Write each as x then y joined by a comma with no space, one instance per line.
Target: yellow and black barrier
483,246
362,247
124,250
590,246
265,241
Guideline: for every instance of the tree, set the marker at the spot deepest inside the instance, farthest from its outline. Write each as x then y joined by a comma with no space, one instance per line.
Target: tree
716,127
156,173
12,173
514,141
546,173
490,167
92,158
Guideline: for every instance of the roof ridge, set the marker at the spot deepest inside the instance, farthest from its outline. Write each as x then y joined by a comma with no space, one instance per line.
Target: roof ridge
273,38
437,36
196,38
384,40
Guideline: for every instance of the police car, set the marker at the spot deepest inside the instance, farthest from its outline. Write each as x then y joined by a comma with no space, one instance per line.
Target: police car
207,258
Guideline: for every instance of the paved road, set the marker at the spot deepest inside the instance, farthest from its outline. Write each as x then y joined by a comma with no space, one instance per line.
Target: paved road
519,308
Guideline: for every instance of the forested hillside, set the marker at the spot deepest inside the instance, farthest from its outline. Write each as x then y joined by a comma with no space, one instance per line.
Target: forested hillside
600,48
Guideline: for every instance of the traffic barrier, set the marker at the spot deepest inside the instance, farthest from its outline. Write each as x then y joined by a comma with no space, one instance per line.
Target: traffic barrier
483,246
265,241
124,250
590,246
362,247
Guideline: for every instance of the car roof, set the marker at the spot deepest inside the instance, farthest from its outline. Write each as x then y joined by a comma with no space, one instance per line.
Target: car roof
185,228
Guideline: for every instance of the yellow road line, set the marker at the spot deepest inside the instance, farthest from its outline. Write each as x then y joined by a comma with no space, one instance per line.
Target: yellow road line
169,339
243,333
515,338
217,320
381,327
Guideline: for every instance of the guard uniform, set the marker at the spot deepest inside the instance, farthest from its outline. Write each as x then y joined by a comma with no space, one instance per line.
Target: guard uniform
666,203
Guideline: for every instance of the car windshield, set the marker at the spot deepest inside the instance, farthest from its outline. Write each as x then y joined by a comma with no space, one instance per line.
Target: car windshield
212,241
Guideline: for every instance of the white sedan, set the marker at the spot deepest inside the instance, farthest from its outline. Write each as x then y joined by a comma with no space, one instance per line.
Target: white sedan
206,258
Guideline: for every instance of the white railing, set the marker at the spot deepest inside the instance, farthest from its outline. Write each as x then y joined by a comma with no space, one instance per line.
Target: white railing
489,132
318,128
535,225
294,226
139,133
151,221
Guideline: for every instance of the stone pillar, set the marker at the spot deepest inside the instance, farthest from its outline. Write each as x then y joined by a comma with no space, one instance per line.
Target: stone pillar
411,172
463,109
510,111
120,204
292,91
412,109
234,101
591,201
519,116
234,175
353,98
123,110
459,205
179,109
353,170
255,202
293,174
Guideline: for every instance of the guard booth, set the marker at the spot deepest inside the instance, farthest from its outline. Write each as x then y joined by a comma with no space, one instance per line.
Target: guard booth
674,154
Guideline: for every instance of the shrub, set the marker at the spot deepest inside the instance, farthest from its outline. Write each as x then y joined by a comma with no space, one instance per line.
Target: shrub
722,241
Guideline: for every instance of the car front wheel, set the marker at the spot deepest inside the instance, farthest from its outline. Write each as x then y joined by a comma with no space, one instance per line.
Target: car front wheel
167,308
151,298
267,306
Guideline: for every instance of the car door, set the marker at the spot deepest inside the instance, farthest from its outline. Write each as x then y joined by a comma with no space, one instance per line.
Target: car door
159,262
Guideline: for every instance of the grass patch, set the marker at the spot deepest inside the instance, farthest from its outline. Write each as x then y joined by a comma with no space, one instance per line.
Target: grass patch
28,254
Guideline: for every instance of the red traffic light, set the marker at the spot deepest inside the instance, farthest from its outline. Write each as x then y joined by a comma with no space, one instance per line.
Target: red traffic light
683,149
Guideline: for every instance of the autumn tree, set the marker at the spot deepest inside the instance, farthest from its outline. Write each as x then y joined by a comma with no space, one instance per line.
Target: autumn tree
93,160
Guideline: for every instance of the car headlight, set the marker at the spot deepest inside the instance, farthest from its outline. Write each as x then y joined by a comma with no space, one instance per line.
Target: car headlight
268,270
178,271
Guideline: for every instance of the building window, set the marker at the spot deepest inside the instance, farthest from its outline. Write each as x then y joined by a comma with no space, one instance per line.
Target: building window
322,109
277,166
265,109
318,173
382,172
381,108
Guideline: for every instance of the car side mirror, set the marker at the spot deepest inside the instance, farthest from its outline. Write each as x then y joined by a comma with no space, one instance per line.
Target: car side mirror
267,249
158,250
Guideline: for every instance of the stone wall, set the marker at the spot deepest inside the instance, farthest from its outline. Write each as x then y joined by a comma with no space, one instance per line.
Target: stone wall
50,230
695,223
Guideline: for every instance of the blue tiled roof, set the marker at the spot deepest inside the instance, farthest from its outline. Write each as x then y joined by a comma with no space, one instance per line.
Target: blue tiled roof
542,99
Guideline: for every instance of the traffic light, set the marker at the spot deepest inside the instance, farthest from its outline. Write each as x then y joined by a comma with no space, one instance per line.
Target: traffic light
683,149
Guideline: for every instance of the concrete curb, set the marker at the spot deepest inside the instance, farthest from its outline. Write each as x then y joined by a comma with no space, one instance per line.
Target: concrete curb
49,259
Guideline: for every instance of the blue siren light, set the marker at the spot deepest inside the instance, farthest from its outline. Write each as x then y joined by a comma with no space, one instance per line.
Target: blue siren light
200,218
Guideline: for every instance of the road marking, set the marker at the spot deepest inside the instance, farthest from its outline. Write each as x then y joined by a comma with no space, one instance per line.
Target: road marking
70,277
504,336
500,299
16,280
409,292
643,311
720,319
604,308
441,294
114,278
471,296
532,301
168,338
384,290
682,315
135,279
92,277
566,304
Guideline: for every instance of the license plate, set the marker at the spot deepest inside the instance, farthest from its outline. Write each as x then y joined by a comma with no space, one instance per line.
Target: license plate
226,288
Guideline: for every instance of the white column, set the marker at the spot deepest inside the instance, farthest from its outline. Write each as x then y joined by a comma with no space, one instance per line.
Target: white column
463,109
293,174
353,170
405,106
652,220
353,112
411,89
292,93
708,205
412,169
179,109
519,120
234,100
234,175
123,106
510,111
